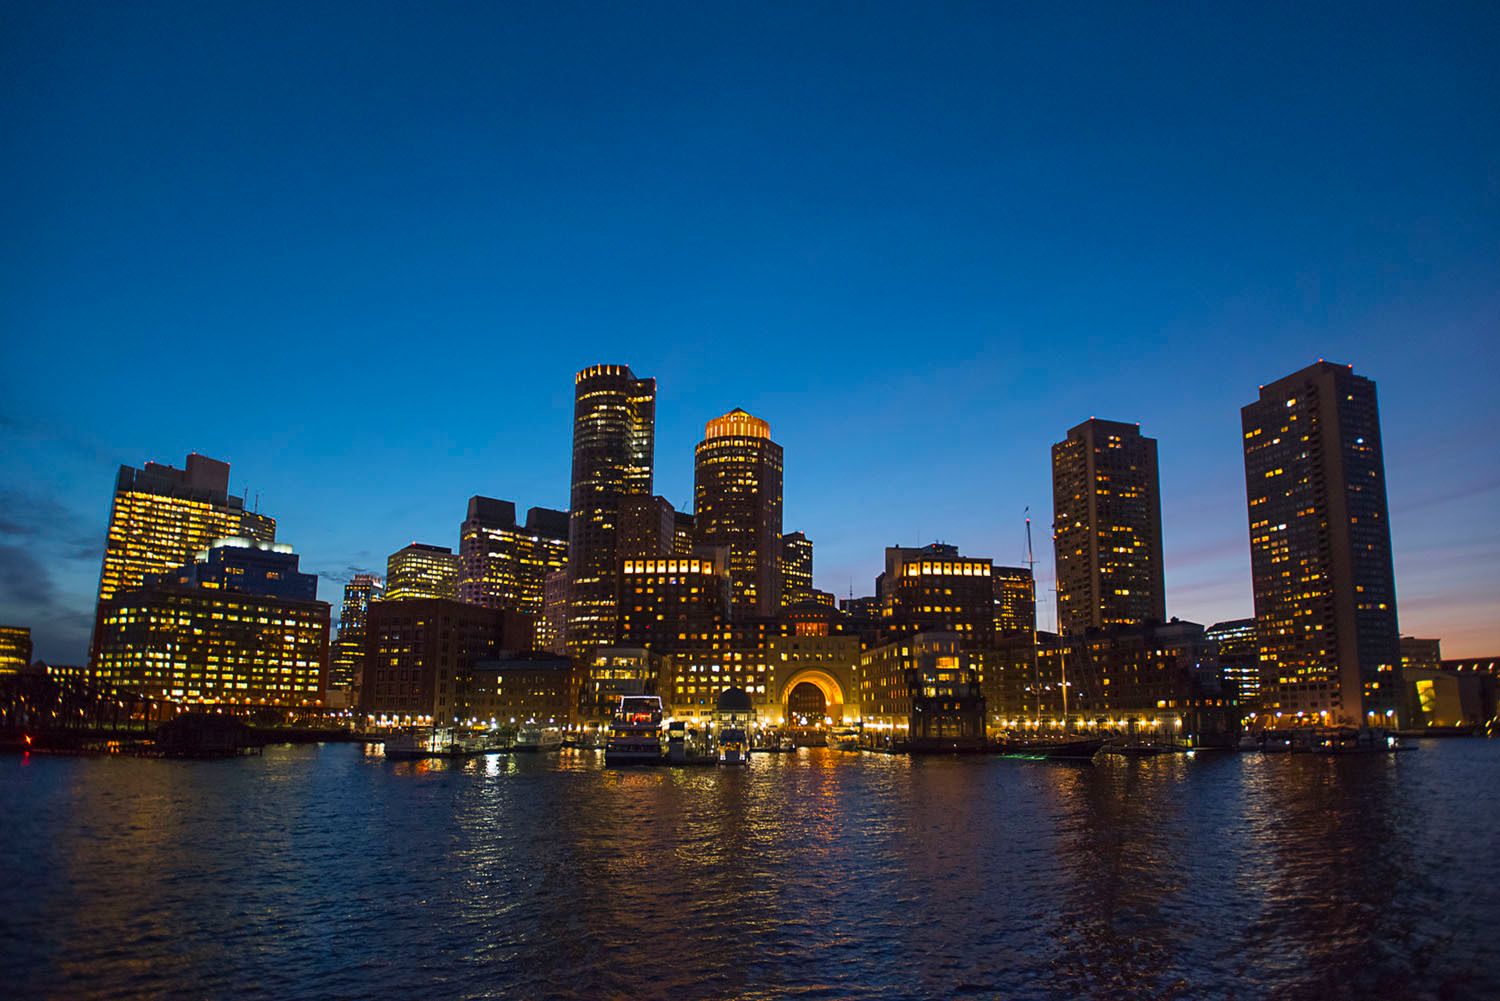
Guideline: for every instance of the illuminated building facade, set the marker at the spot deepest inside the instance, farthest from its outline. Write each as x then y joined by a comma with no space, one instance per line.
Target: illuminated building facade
1015,600
647,528
505,565
796,569
1162,677
269,569
420,654
1320,547
934,589
1421,653
539,688
200,644
614,433
552,627
1106,526
15,649
737,472
811,676
346,654
161,517
422,571
1239,657
923,690
361,590
617,671
672,604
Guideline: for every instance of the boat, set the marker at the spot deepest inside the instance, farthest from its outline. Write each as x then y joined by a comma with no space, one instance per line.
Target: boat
1134,750
845,738
635,732
734,746
417,743
1249,742
1060,749
535,737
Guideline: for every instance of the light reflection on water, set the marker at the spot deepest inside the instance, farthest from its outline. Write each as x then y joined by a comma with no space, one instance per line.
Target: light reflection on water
317,872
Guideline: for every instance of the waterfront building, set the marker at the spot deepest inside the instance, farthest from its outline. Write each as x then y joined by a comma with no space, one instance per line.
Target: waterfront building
1421,653
1320,547
811,675
614,672
1162,678
176,640
422,571
1023,680
245,566
15,649
614,430
737,473
1239,658
346,654
923,690
505,565
420,654
934,589
1106,526
1015,600
1487,670
534,688
161,517
796,569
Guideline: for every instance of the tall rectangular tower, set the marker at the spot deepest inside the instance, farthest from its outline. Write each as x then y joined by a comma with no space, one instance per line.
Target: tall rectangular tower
162,517
1106,527
505,564
737,504
1320,547
796,569
614,436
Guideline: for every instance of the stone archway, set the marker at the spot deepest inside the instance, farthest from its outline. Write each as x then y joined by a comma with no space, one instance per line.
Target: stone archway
823,680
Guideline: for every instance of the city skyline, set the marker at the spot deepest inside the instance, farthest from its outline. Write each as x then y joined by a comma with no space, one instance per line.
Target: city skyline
368,293
330,586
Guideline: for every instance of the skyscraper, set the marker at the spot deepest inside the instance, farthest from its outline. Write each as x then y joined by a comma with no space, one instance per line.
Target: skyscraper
614,432
162,517
796,569
362,589
737,504
15,649
421,571
505,565
1015,600
1106,527
1320,546
346,654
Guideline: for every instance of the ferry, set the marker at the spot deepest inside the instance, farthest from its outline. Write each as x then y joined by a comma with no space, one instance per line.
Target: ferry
535,737
843,739
635,732
734,746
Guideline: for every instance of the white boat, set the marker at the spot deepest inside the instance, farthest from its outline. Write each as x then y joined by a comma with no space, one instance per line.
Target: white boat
843,739
535,737
734,746
635,732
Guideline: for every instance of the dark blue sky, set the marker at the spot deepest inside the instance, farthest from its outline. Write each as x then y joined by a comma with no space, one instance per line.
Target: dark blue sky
359,252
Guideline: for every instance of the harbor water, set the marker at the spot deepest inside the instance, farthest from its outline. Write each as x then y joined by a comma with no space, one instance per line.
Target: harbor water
328,872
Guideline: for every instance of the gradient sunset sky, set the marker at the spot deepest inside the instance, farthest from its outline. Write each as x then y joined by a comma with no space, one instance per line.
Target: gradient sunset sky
359,251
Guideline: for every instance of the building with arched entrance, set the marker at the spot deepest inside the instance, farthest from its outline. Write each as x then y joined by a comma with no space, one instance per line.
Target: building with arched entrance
812,680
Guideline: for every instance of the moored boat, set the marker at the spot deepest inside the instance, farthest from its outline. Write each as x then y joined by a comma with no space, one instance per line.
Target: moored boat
1059,749
533,737
844,738
635,732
